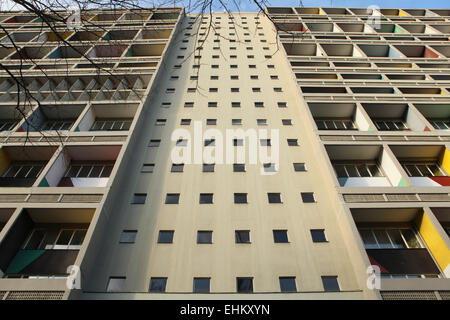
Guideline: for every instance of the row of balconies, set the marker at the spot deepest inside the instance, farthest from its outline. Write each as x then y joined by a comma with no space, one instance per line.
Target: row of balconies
390,166
71,166
381,116
367,50
70,117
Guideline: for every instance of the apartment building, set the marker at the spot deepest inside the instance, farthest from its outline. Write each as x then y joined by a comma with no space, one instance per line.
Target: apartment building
355,102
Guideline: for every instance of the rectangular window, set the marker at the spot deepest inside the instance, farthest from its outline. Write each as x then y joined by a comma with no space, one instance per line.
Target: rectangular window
423,169
259,104
240,198
165,236
242,236
109,125
282,105
269,167
185,122
202,285
244,285
335,124
211,122
292,142
234,77
188,104
213,89
254,77
318,235
214,77
286,122
204,236
172,198
139,198
158,285
210,142
212,104
128,236
235,104
299,167
287,284
238,167
330,283
280,236
236,122
264,142
234,89
308,197
349,170
116,284
177,167
148,167
206,198
208,167
261,122
238,142
274,197
392,238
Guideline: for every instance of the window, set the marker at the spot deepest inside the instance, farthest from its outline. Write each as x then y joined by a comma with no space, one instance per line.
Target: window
280,236
252,66
185,122
212,104
270,66
318,235
264,142
166,104
236,122
157,285
213,89
286,122
191,89
188,104
238,142
277,89
269,167
208,167
64,125
261,122
299,167
244,285
335,124
239,167
154,143
274,197
108,125
254,77
282,105
206,198
242,236
193,77
214,77
287,284
211,122
181,143
210,142
172,198
23,170
234,77
256,89
170,90
128,236
177,167
215,66
80,170
116,284
165,236
274,77
204,236
202,285
240,198
440,124
69,239
174,77
390,238
259,104
139,198
349,170
423,169
234,89
308,197
233,66
292,142
330,283
148,167
391,125
8,125
235,104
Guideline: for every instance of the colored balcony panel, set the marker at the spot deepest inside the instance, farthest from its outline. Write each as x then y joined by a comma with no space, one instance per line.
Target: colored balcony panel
87,35
281,10
22,166
82,166
305,11
372,50
443,50
438,115
425,166
299,49
417,51
31,53
52,118
44,242
20,19
164,15
154,34
363,166
106,17
106,51
115,35
145,50
341,50
434,227
16,37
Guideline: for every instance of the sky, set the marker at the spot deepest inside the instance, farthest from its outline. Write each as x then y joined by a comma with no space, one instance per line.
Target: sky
248,5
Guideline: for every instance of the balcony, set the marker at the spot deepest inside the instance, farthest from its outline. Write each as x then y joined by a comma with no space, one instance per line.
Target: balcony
82,166
400,241
5,214
22,166
438,115
9,118
52,118
108,117
426,166
363,166
44,242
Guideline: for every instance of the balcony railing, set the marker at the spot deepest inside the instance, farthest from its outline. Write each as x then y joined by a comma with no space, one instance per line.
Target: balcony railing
16,182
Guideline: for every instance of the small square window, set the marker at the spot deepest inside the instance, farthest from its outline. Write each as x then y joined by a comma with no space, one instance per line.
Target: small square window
292,142
193,78
280,236
240,198
211,122
215,66
278,89
204,236
261,122
242,236
154,143
157,285
270,66
165,236
252,66
287,284
236,122
238,167
238,142
177,167
308,197
174,77
185,122
206,198
148,167
191,90
172,198
299,167
264,142
128,236
274,197
208,167
244,285
269,167
201,285
116,284
170,90
274,77
286,122
330,283
318,235
166,104
233,66
250,56
139,198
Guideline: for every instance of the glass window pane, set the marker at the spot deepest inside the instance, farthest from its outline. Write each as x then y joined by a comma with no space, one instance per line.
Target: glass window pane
424,170
368,239
108,125
363,171
204,237
320,124
383,239
64,237
330,284
244,285
287,284
34,172
158,284
73,171
95,172
23,172
412,170
106,171
351,170
396,238
340,170
201,285
12,171
374,170
411,238
242,236
78,238
97,125
35,240
84,173
117,125
436,170
280,236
